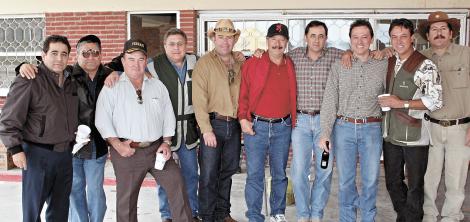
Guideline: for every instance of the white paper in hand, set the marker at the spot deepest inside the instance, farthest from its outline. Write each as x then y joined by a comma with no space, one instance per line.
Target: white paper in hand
83,137
159,161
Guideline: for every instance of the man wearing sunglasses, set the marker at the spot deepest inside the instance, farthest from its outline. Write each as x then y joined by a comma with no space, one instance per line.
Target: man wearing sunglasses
87,199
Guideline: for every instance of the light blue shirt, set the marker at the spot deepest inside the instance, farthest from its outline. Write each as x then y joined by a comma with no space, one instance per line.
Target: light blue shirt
118,113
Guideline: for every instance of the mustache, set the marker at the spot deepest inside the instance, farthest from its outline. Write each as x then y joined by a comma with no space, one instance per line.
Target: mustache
439,37
277,47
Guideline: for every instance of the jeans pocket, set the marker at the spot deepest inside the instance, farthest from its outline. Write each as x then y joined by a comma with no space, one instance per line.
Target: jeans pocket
102,159
288,122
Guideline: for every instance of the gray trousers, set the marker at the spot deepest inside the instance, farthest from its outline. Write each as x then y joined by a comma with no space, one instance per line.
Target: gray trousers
130,173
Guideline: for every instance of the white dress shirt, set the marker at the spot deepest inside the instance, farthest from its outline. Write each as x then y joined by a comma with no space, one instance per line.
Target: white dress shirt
118,113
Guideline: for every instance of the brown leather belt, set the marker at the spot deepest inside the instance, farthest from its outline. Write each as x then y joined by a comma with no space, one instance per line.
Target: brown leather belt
446,123
137,145
371,119
269,120
215,115
312,113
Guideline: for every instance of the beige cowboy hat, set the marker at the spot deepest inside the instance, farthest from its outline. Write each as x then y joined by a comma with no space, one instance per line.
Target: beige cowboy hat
224,27
439,16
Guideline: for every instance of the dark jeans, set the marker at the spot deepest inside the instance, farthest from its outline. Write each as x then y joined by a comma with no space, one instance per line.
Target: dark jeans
217,165
48,178
407,200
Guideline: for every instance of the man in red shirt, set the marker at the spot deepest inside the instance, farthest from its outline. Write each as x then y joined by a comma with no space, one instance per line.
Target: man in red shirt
267,109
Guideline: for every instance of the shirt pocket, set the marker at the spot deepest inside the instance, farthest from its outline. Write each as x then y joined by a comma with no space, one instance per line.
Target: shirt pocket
459,77
155,105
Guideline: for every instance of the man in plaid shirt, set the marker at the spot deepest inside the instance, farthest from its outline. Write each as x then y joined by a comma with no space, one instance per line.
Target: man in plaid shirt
312,65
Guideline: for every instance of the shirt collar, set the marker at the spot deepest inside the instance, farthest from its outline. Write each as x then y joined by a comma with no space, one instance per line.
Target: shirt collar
178,68
124,78
450,50
357,60
323,52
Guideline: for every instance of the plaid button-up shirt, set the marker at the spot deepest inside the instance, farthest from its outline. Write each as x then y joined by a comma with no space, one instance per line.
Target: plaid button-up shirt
312,75
353,92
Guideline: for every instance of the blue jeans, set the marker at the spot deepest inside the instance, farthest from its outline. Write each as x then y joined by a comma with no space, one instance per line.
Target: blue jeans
89,205
350,141
309,200
188,165
217,165
272,140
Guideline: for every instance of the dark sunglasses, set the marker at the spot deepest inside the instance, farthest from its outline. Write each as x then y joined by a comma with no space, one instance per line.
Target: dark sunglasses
139,96
231,76
90,52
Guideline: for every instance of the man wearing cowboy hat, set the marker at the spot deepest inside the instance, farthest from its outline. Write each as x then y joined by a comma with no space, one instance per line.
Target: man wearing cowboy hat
216,84
450,128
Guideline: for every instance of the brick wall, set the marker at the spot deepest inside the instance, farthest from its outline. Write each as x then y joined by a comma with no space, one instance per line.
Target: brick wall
188,25
110,27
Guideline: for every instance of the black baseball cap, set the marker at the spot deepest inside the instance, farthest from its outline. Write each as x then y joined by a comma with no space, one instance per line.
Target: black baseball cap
278,29
133,45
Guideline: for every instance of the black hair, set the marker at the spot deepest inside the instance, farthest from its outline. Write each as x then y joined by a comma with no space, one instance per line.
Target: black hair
53,39
404,23
316,23
361,22
89,39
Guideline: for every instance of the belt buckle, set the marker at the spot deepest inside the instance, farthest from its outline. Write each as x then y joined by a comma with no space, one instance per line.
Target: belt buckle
144,144
444,123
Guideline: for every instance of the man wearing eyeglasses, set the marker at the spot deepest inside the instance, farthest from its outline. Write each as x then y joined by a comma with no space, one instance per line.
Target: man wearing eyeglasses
87,199
136,118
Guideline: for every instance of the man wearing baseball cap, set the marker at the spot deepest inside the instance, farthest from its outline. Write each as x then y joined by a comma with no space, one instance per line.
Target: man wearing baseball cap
450,128
136,118
267,109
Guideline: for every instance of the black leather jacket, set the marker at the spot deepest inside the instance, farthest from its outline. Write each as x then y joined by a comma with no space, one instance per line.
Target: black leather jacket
87,108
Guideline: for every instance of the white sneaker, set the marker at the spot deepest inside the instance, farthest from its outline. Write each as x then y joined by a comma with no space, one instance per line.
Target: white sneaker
278,218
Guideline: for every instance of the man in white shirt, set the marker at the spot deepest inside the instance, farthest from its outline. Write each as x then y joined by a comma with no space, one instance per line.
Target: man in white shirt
136,118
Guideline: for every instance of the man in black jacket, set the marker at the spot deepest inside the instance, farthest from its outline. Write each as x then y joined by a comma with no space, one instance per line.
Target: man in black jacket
89,161
37,126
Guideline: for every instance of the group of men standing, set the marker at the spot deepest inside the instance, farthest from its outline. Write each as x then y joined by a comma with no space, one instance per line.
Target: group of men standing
306,97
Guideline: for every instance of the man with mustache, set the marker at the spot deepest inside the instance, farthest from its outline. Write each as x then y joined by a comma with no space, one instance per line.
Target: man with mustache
414,87
267,109
450,127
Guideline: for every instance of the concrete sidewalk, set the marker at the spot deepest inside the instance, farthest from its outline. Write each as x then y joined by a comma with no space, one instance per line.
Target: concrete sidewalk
10,199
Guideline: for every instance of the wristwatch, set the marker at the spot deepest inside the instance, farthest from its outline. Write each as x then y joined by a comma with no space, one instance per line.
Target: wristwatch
406,105
167,142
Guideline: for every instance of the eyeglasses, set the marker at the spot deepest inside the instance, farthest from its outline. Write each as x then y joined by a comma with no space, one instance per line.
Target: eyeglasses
231,76
173,44
139,96
90,52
